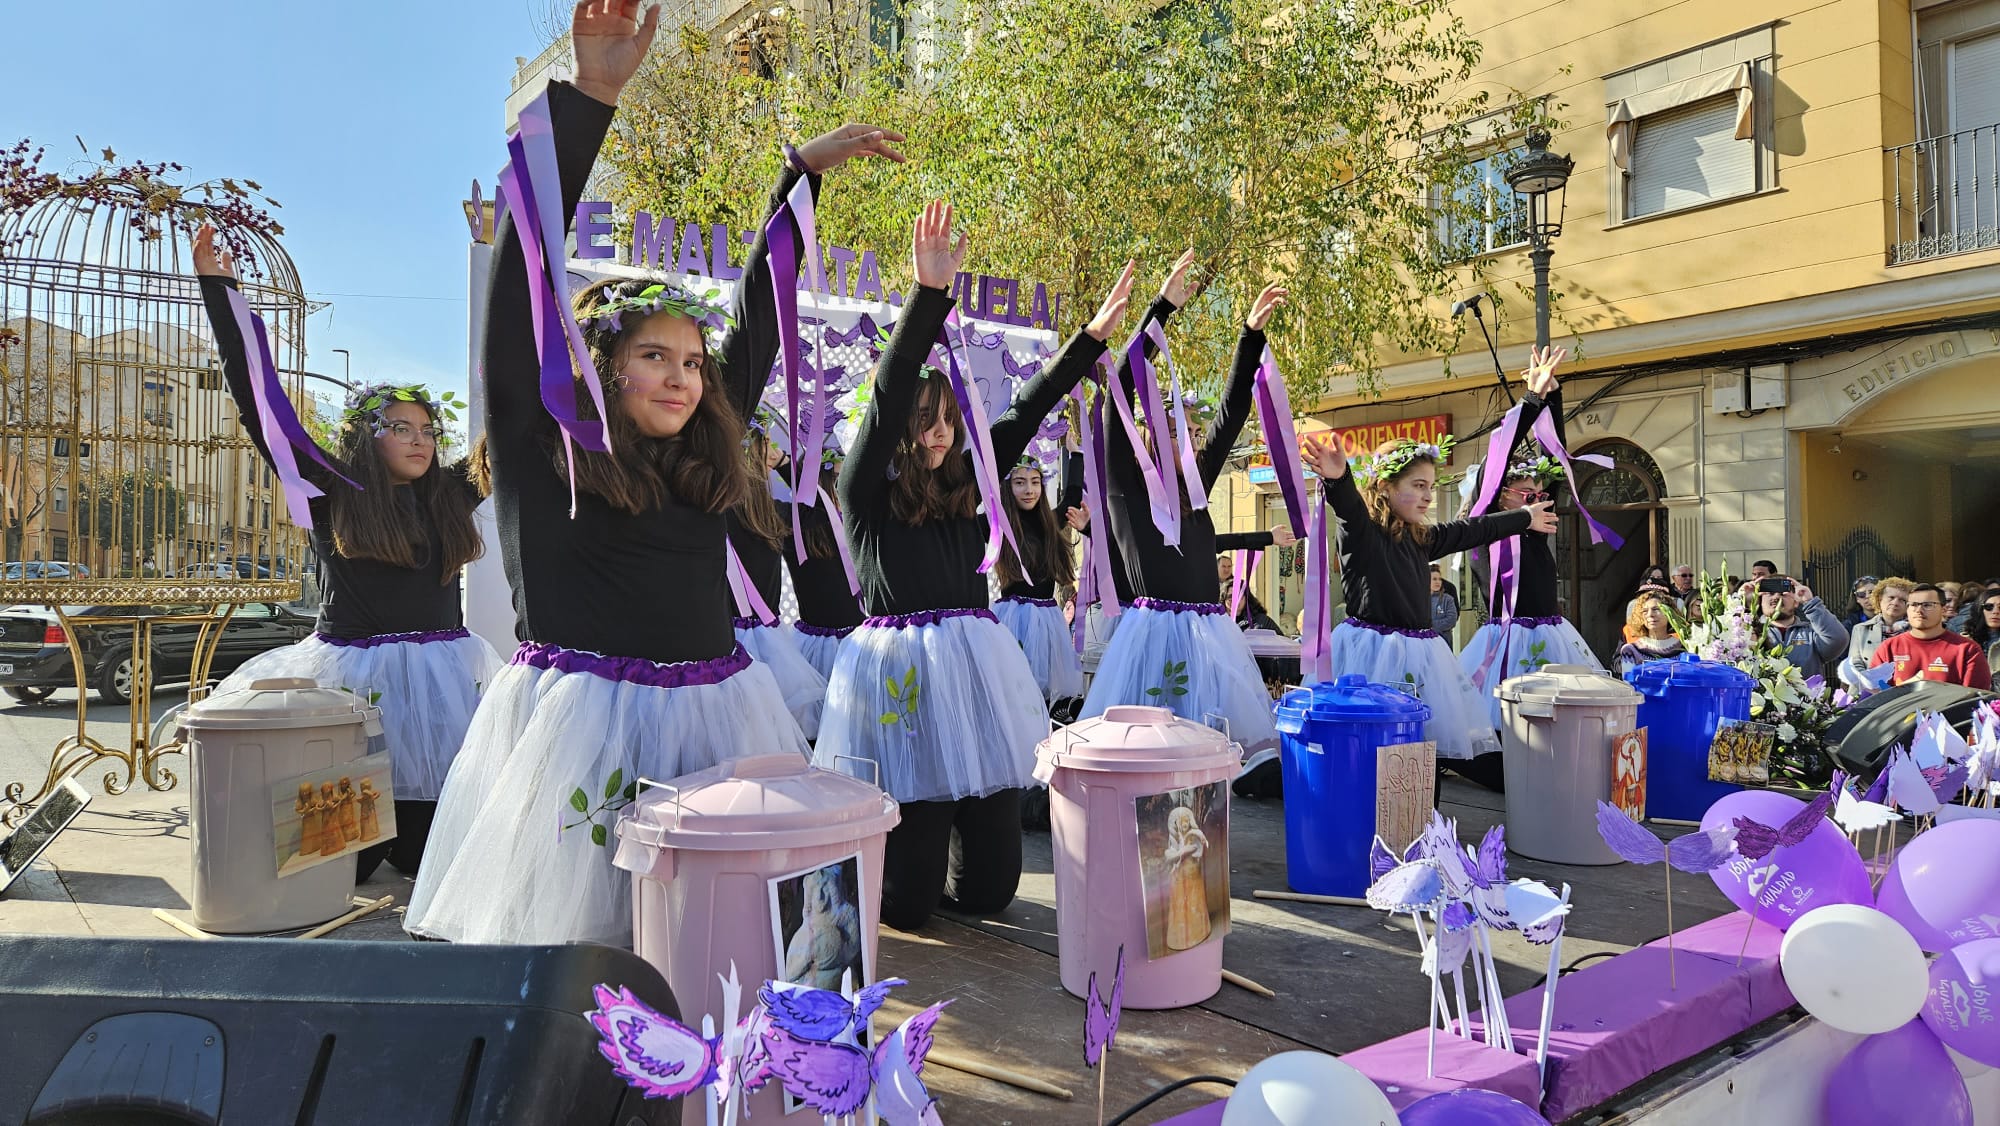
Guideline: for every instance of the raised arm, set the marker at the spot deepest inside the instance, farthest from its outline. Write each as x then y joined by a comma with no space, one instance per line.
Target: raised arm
1323,455
1236,407
1072,483
865,471
1121,460
1016,426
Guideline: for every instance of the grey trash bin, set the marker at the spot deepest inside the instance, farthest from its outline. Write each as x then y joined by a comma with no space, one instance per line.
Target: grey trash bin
1560,722
241,744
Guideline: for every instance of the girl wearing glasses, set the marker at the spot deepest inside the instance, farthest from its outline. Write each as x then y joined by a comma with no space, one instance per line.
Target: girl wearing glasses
392,531
1526,629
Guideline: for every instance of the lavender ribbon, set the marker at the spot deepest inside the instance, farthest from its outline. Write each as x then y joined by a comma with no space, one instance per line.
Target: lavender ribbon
1161,498
284,435
998,531
419,637
1274,415
839,522
632,670
1242,563
1190,468
749,603
808,433
1545,433
1503,572
1316,636
1096,472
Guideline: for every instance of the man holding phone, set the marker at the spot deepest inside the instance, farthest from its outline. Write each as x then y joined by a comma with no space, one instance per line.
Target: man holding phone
1928,651
1796,619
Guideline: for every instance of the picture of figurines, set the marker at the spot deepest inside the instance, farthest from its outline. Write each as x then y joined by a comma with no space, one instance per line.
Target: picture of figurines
1184,867
1741,752
1628,773
816,915
331,813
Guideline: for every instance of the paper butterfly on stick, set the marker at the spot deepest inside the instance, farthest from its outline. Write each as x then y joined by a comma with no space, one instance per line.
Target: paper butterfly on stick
1855,815
653,1052
1756,840
1703,850
1018,369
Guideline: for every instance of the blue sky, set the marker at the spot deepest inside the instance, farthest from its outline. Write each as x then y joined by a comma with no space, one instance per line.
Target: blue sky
367,120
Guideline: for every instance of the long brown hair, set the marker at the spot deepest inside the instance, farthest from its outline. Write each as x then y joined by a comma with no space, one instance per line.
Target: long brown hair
701,466
759,513
919,493
1376,493
819,533
1048,557
369,522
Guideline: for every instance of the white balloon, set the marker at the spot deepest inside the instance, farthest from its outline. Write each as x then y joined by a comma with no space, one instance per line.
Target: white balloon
1967,1066
1301,1088
1854,968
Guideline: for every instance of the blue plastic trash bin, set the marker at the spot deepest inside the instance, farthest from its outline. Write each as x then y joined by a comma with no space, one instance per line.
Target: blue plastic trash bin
1684,701
1330,734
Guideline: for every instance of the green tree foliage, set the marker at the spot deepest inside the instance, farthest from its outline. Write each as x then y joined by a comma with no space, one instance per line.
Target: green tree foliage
133,510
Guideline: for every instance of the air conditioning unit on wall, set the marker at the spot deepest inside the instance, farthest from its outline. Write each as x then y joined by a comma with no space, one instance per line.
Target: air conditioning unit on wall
1747,390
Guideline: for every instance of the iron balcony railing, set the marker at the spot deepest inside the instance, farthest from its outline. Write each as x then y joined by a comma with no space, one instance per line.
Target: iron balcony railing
1947,195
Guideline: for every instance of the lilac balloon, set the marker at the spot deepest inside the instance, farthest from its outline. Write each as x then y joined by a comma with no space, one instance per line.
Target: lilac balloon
1945,885
1821,869
1469,1106
1900,1076
1963,1008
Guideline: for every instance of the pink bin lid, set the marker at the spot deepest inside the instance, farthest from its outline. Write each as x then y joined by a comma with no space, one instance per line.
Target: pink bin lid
1136,739
758,803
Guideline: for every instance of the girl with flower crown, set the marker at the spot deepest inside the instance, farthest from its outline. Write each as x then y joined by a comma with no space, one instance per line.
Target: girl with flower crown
392,529
1177,646
629,667
931,689
1387,543
1526,629
1031,581
760,534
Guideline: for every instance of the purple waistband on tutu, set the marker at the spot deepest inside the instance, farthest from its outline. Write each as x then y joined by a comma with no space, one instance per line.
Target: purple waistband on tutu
1385,631
1530,623
1024,600
420,636
811,630
1169,606
750,623
632,670
927,617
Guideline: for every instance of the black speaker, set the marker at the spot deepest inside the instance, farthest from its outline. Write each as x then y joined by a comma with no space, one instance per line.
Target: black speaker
1860,737
261,1032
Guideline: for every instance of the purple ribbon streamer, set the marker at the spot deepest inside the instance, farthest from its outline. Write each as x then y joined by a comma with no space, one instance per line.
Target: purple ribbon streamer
998,530
1164,504
1545,433
1096,473
834,517
1162,482
749,603
1274,412
1242,563
1316,638
1184,442
284,435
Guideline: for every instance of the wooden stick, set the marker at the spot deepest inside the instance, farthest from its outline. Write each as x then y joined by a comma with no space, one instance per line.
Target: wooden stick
1241,982
1672,982
957,1062
1746,938
181,925
334,925
1302,897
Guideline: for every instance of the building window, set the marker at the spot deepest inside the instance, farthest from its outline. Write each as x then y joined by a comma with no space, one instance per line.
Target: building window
1948,190
1480,214
886,26
209,380
267,514
1691,129
60,502
59,545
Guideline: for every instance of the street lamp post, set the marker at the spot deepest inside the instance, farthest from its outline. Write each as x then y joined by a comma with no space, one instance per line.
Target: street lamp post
347,361
1541,177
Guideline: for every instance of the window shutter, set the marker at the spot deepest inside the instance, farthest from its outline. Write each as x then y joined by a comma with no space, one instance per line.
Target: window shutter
1687,156
1975,82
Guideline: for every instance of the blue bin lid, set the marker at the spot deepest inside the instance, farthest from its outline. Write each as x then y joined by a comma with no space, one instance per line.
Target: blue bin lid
1352,699
1655,678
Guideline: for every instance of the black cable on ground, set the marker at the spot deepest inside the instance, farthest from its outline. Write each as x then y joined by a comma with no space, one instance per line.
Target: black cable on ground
1163,1092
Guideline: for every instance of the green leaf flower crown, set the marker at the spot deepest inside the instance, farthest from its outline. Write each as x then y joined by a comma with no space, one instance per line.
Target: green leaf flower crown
366,406
647,298
1382,467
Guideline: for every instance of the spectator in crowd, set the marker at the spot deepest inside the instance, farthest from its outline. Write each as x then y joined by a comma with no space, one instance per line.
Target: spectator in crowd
1253,615
1861,609
1950,593
1763,569
1928,651
1444,605
1685,593
1653,581
1984,629
1969,594
1655,640
1887,608
1812,637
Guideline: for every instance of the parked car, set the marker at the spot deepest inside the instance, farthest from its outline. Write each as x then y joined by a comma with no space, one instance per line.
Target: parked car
46,569
35,658
207,571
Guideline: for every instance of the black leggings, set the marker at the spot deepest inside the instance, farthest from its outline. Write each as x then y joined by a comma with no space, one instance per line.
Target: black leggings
413,828
964,855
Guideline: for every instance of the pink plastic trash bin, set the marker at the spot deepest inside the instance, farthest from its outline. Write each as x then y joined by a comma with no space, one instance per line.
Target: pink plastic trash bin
1139,804
758,862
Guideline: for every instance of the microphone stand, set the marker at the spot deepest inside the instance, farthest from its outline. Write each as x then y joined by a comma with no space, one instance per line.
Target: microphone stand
1499,372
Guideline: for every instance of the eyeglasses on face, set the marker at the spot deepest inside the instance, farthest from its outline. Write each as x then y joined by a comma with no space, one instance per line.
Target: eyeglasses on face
1926,605
1991,607
406,433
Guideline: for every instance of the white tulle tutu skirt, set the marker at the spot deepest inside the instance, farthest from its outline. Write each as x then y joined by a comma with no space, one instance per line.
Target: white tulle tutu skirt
942,702
1421,663
1192,658
1520,645
802,685
427,685
521,848
820,645
1046,640
1098,628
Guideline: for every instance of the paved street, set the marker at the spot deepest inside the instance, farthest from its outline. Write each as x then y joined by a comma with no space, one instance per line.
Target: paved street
29,732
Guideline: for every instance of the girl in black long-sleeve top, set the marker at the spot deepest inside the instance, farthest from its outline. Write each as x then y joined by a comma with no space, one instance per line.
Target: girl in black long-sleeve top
1386,549
760,532
628,666
931,689
1531,632
1180,648
828,607
1030,605
390,556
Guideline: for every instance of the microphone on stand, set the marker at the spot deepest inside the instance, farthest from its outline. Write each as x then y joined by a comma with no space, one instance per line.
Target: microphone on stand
1459,309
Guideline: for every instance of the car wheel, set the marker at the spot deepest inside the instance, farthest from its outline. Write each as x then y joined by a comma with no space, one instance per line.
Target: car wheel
32,694
115,677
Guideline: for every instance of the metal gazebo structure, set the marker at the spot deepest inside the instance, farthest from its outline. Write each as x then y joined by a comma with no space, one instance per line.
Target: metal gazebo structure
126,480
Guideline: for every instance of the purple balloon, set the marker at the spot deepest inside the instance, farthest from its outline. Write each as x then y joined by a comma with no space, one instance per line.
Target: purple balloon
1470,1106
1945,885
1821,869
1900,1076
1963,1008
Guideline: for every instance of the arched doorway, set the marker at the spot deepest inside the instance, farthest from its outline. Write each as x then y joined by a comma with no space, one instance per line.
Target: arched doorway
1597,579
